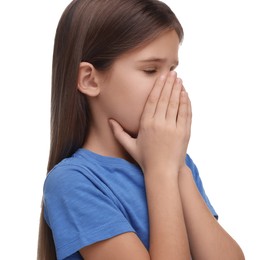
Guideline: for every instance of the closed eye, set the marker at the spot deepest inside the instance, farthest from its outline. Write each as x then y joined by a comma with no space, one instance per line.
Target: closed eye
150,71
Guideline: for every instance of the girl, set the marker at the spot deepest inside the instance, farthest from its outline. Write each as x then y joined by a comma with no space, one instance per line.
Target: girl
120,184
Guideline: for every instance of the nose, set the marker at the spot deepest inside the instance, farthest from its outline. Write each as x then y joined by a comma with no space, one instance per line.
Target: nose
164,72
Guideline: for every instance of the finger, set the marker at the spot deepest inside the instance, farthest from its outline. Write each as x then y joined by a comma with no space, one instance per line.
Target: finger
189,116
152,100
174,101
165,95
183,110
122,137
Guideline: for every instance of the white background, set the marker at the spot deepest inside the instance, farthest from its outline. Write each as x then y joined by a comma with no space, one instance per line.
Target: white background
225,66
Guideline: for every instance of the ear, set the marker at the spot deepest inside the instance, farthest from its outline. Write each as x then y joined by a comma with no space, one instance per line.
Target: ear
88,80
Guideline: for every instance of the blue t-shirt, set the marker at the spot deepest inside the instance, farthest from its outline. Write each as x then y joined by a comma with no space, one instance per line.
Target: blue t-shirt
90,198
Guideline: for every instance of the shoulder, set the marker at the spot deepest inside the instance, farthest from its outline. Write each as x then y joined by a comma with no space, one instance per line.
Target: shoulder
65,173
71,172
79,207
71,182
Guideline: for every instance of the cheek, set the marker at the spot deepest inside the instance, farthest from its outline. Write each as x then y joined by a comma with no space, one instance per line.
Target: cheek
135,106
126,98
139,93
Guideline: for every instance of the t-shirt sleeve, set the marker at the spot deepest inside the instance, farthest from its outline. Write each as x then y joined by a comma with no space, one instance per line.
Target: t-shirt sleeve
199,184
79,211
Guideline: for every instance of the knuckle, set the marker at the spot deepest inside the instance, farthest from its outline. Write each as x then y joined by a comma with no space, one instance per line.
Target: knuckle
163,100
157,124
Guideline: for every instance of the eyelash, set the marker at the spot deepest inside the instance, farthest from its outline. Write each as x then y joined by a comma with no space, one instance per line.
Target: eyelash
153,71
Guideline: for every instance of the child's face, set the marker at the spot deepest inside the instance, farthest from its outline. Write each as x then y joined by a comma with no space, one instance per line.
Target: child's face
125,91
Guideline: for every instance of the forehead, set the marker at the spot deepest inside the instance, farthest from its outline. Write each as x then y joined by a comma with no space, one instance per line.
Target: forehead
164,47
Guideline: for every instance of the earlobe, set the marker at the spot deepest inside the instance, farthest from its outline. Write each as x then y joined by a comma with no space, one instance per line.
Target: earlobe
87,80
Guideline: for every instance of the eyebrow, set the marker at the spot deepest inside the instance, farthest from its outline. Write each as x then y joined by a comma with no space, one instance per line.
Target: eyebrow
159,60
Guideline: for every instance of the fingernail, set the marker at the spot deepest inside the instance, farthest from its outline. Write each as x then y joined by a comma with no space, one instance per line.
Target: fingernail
110,122
179,81
173,73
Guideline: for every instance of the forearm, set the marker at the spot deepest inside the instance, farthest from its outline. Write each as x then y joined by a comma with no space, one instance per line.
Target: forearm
208,240
168,236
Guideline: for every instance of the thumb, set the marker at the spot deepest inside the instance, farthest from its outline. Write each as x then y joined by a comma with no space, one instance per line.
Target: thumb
123,137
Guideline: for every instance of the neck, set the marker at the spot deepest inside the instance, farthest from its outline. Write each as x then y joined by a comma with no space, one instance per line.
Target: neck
101,140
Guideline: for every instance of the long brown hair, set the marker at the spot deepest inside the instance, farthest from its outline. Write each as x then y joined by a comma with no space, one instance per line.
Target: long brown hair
95,31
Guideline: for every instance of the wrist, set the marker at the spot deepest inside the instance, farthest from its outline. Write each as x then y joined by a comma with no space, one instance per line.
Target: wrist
161,172
161,180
